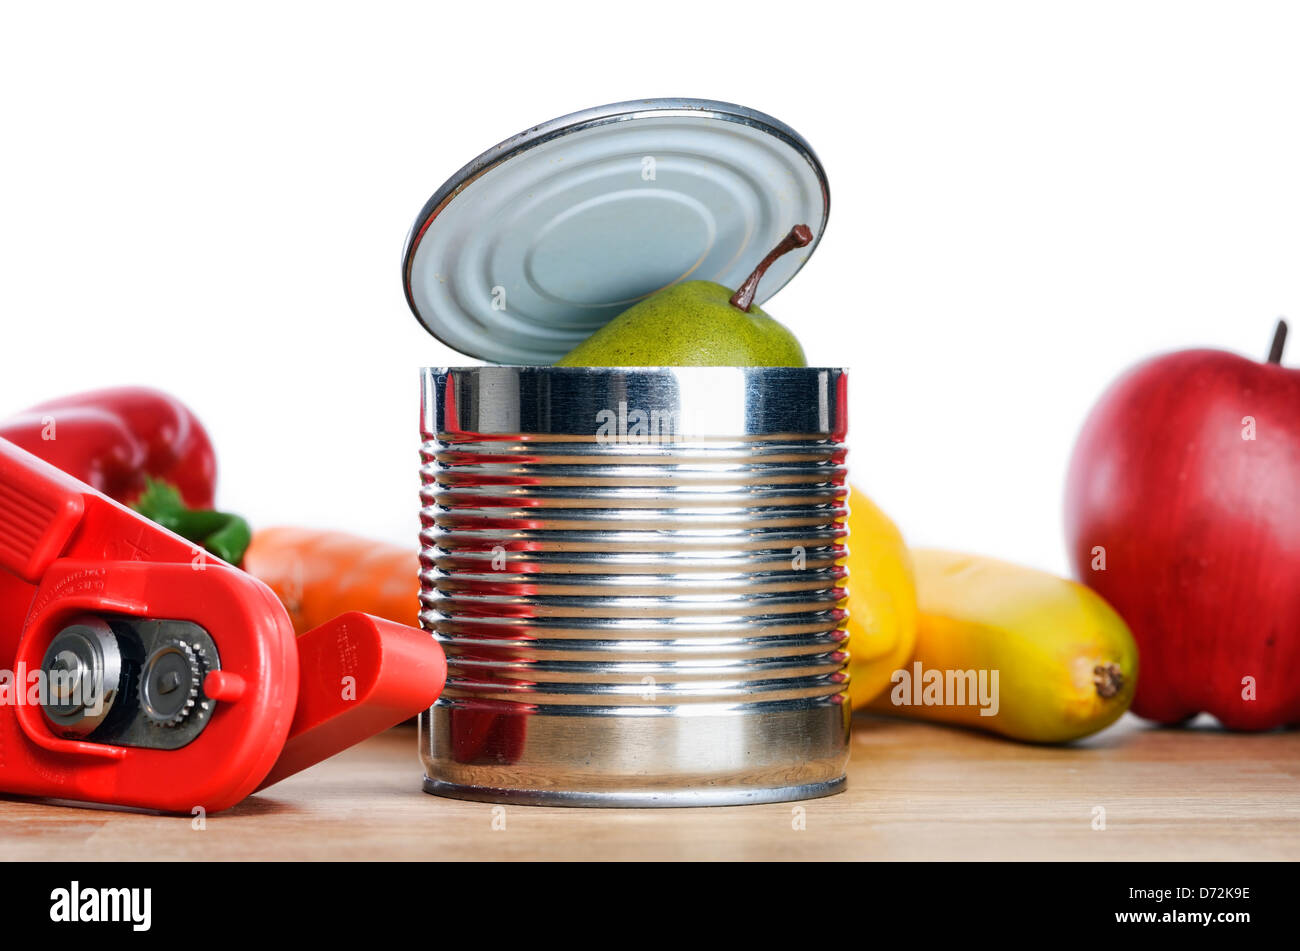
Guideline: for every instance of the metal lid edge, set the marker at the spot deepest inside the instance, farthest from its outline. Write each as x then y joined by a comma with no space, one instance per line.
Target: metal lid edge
588,118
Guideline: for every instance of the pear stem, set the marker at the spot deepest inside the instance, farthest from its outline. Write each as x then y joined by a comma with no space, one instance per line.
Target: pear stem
1279,342
799,236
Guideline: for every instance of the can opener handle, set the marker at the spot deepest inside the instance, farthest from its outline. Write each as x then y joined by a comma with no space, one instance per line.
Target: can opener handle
357,676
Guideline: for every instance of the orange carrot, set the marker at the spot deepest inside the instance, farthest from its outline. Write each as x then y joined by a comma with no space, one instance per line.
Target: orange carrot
319,575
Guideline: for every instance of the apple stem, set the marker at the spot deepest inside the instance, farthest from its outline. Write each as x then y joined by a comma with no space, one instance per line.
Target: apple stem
1279,342
799,236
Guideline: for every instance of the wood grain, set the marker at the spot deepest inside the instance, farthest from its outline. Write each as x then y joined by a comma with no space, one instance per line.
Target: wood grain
916,791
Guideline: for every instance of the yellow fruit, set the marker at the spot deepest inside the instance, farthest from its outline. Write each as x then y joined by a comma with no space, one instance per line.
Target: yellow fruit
881,602
1058,662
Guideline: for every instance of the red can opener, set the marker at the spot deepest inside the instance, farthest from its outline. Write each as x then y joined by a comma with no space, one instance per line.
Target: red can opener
145,672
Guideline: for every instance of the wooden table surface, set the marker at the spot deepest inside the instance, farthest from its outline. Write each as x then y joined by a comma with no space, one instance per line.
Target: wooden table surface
915,792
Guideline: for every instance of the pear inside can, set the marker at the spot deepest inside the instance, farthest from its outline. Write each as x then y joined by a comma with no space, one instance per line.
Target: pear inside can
698,323
633,519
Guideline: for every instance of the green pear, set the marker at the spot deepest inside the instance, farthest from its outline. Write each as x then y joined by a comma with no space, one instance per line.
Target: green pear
697,323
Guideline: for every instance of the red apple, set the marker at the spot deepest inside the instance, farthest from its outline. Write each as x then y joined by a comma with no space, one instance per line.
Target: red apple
1183,511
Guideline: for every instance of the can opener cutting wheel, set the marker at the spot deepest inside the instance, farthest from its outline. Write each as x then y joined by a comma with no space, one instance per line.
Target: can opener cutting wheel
144,672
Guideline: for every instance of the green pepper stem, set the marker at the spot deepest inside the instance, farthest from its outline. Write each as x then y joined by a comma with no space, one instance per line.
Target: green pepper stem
224,535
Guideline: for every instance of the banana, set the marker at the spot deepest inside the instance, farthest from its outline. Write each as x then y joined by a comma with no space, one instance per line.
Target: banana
881,601
1013,651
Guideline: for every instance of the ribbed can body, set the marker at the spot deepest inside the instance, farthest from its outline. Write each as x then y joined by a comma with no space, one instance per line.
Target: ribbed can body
638,578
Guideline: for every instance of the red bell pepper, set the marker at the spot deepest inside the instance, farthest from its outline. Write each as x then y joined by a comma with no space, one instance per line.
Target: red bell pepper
144,449
117,439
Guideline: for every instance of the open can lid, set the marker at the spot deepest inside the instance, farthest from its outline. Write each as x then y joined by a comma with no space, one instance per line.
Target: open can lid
544,238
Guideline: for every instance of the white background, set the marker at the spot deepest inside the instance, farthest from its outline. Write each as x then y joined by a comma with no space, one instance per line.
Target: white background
1027,197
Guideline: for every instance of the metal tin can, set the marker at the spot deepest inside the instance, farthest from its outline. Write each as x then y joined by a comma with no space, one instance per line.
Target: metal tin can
637,575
